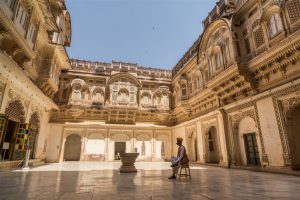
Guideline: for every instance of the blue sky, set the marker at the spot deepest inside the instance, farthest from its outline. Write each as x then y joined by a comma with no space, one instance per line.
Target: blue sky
152,33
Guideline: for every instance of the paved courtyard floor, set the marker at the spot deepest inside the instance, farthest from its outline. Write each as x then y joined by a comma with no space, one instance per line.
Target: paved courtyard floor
102,180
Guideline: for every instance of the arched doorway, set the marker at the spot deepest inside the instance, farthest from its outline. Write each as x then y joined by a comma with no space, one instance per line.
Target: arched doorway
95,147
72,148
293,136
246,150
143,146
33,133
119,143
212,154
162,148
15,117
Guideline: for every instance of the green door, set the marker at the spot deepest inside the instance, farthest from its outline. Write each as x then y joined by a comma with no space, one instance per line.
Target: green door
251,149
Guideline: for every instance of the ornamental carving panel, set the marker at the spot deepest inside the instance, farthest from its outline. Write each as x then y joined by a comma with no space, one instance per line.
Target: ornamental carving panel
143,137
208,124
293,8
236,118
259,37
98,133
283,107
15,110
96,136
162,136
120,135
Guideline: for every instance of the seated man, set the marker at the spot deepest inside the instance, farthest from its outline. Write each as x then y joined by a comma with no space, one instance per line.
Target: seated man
180,159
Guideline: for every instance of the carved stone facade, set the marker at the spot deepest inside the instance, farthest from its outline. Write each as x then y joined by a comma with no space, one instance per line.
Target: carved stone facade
234,97
116,93
241,76
33,36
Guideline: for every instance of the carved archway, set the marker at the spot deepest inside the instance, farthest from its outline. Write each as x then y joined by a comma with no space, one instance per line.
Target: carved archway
191,143
95,147
235,121
15,111
293,135
212,146
247,129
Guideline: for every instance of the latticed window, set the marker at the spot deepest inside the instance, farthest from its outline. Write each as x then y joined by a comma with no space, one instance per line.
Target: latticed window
258,34
293,8
15,111
275,25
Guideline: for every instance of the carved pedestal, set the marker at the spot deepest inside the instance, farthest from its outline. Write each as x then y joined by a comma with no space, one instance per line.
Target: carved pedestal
128,160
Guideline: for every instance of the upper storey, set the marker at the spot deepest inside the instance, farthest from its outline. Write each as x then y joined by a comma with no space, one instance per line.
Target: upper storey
34,35
108,69
246,47
114,92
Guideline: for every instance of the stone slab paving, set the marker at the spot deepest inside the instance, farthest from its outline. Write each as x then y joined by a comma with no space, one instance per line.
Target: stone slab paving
102,180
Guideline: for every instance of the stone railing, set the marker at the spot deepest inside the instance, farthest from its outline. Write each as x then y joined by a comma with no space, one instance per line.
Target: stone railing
107,68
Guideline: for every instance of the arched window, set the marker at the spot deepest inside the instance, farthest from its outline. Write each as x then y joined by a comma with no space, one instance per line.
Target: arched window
165,101
146,99
183,90
216,59
123,96
76,96
98,96
275,25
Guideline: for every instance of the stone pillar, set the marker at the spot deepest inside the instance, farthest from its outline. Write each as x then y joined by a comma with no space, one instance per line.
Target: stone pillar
153,147
82,152
106,149
61,157
83,145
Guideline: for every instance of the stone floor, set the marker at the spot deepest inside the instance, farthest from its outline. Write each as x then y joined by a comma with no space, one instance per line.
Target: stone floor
102,180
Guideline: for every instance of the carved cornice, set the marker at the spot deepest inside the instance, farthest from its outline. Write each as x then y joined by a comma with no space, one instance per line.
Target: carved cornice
91,131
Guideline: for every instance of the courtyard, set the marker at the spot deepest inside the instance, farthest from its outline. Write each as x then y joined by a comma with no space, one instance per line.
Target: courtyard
102,180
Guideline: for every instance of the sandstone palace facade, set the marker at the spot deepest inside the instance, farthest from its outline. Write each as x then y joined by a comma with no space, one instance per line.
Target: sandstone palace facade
234,96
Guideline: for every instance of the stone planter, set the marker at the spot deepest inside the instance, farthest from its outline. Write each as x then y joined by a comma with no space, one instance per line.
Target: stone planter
128,160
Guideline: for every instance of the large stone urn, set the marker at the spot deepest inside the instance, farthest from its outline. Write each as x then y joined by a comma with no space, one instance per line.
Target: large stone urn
128,160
